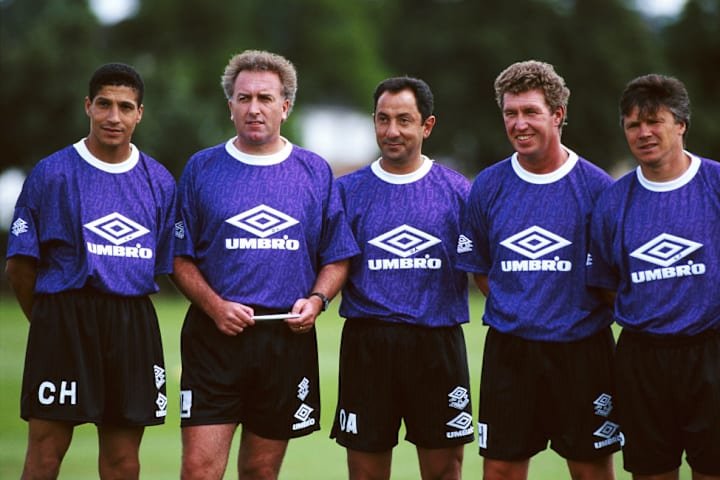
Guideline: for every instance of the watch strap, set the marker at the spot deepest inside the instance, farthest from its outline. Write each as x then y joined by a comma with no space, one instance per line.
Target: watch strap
321,296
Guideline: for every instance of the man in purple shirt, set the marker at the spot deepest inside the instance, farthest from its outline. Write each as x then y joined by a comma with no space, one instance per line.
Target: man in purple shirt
92,229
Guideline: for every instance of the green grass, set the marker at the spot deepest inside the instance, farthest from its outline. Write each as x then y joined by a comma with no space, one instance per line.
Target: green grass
314,457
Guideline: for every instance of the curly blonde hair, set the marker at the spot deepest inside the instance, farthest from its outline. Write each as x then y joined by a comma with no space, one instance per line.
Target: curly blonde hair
529,75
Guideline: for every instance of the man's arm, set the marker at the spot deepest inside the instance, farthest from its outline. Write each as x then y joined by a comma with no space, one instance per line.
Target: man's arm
230,318
21,272
330,280
482,283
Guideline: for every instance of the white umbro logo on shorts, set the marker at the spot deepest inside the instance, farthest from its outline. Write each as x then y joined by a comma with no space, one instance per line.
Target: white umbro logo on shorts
534,242
606,430
404,241
303,415
303,389
116,228
665,249
161,401
610,433
462,424
159,373
303,412
262,221
461,421
458,398
603,405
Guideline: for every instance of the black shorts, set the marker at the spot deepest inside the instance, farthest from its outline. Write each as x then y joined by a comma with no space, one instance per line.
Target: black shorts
668,395
391,371
265,378
533,392
94,357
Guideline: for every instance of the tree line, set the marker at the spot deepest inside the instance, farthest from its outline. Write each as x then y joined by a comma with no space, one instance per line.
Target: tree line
48,49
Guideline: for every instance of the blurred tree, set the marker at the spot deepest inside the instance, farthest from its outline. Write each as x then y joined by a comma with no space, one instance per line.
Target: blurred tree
606,44
460,46
335,45
180,47
48,51
331,44
692,44
342,49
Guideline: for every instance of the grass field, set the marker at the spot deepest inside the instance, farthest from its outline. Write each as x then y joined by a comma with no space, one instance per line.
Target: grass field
315,457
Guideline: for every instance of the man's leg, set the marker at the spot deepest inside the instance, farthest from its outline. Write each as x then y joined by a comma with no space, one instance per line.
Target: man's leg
441,463
503,470
702,476
673,475
47,443
205,451
119,452
598,469
260,458
369,466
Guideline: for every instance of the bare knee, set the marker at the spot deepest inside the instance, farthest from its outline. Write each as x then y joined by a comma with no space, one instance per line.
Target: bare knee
258,466
441,463
47,443
251,471
197,469
205,451
598,469
41,466
120,467
260,458
197,464
119,451
369,466
505,470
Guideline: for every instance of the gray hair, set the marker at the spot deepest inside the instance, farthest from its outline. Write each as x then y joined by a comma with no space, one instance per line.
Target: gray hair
261,61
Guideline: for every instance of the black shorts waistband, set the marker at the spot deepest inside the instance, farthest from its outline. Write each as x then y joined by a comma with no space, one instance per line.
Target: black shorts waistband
668,340
377,322
91,292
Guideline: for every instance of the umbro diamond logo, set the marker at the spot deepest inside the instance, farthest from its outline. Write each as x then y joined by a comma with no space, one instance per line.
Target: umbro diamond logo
462,421
303,413
161,401
159,373
404,241
610,433
116,228
603,405
665,249
262,221
180,230
458,398
303,389
606,430
464,245
462,424
534,242
19,226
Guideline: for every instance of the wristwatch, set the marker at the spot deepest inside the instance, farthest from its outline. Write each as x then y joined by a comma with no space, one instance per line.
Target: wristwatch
321,296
